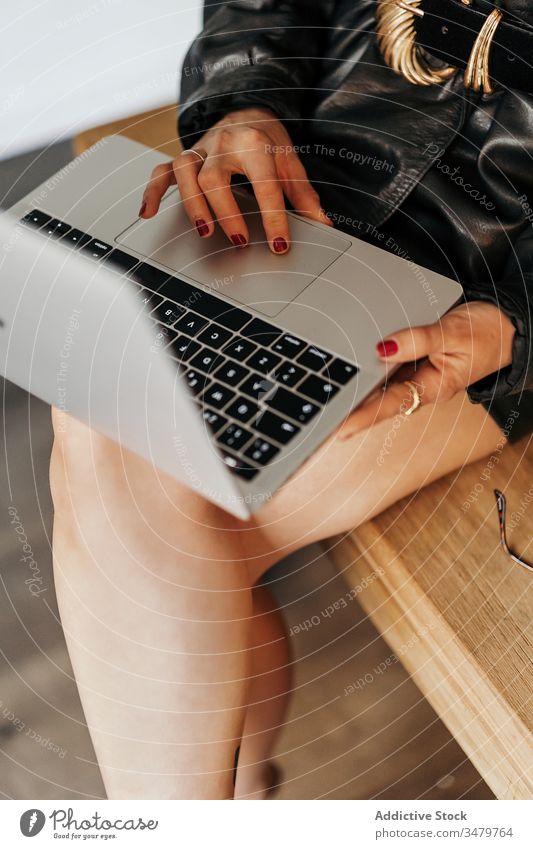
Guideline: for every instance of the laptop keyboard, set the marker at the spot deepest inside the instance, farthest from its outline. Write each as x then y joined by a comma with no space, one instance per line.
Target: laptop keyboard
256,385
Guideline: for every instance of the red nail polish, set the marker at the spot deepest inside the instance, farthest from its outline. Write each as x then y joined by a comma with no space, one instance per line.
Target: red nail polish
142,209
279,244
387,348
238,240
201,226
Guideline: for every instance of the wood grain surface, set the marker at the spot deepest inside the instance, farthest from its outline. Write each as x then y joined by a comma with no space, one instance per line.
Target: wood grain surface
457,611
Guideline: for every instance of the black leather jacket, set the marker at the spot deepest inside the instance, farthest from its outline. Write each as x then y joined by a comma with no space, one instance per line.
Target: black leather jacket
444,174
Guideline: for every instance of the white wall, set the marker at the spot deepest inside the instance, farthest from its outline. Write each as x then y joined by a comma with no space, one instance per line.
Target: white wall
66,65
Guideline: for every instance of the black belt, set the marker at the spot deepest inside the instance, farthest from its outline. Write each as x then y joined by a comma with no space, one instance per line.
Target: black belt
448,30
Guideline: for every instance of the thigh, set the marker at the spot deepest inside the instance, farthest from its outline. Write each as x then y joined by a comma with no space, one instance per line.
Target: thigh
106,495
348,482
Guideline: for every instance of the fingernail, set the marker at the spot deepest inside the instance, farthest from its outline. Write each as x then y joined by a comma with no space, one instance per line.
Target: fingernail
279,244
238,240
387,348
201,226
142,209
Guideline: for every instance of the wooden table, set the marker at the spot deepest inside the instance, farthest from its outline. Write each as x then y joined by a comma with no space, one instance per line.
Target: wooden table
457,611
451,605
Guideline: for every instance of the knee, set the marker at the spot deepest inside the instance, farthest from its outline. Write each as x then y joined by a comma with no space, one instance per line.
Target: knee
101,485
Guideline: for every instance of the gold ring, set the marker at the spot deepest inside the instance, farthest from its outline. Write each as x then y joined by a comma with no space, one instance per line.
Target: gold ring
192,150
415,395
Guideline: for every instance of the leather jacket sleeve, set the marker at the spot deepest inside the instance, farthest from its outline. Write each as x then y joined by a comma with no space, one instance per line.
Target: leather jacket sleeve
514,296
250,53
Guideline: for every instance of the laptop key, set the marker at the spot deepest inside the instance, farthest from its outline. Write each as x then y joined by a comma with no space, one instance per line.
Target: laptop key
240,349
292,405
152,278
289,374
206,304
35,218
183,348
191,324
288,346
233,318
314,358
340,371
232,373
215,336
218,396
318,389
261,451
196,381
119,259
263,361
257,386
234,436
168,313
207,360
276,428
149,300
243,410
215,420
75,238
218,310
242,468
162,338
96,249
55,228
262,332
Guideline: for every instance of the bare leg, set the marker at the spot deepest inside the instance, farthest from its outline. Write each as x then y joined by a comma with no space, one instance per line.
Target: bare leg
156,610
154,587
268,696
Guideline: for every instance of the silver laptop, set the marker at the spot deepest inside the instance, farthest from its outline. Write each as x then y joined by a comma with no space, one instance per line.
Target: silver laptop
224,367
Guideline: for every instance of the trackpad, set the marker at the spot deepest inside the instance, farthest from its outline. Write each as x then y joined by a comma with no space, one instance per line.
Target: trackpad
253,275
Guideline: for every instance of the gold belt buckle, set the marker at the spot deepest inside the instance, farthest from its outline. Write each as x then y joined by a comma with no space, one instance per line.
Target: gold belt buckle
397,41
477,70
396,37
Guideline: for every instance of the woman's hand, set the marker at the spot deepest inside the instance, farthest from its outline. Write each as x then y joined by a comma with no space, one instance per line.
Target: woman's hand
470,342
251,142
